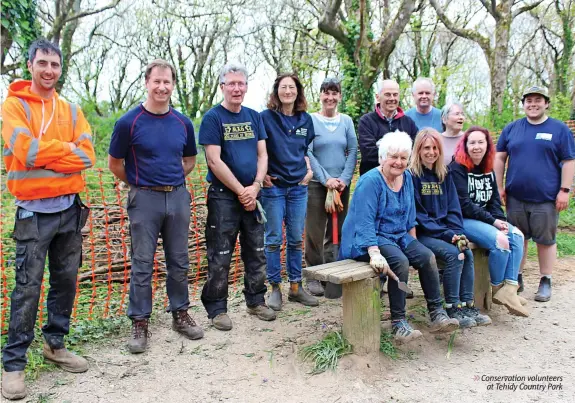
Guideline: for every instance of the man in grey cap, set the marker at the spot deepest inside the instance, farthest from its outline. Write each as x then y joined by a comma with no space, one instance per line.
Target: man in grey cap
540,152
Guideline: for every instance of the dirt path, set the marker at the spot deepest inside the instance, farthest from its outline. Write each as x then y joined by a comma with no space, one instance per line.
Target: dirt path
259,362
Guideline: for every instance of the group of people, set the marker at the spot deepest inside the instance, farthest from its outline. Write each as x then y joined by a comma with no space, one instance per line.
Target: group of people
426,190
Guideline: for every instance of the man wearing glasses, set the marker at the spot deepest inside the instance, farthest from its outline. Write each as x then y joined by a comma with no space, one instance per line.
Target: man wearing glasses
234,140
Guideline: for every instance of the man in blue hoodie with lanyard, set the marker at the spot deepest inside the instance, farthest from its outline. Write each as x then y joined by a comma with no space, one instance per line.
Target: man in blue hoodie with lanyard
387,117
234,140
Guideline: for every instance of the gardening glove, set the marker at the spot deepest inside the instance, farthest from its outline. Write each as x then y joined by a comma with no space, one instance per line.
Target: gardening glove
337,201
378,262
462,243
329,201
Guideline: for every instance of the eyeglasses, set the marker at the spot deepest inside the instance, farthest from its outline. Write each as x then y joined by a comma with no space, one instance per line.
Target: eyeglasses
240,85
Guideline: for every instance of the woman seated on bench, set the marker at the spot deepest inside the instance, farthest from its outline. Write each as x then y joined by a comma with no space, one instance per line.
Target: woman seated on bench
484,221
380,228
440,227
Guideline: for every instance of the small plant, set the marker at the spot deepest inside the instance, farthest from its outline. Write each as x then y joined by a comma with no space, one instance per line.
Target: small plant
326,353
451,343
386,345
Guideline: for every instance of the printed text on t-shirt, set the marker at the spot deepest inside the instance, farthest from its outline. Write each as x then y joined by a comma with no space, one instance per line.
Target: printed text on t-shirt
480,188
238,131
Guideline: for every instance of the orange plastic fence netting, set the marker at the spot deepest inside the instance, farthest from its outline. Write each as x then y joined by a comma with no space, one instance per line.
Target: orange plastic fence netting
103,279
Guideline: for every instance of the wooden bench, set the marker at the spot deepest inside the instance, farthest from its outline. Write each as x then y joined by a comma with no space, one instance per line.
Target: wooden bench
361,306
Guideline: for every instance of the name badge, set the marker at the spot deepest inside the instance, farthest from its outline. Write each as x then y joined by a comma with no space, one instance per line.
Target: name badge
544,136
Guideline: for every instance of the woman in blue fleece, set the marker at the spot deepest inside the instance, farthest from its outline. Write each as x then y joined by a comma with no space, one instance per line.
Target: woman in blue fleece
284,195
380,229
440,227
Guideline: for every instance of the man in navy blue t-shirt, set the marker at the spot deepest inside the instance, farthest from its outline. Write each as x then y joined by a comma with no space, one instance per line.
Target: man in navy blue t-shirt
540,152
153,149
234,140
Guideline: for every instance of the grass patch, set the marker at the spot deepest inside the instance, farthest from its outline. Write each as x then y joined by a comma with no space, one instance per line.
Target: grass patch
567,217
387,347
326,353
565,246
451,343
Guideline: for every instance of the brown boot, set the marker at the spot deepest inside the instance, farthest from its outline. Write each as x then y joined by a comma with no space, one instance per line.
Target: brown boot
65,359
183,323
507,295
139,340
494,289
298,294
13,387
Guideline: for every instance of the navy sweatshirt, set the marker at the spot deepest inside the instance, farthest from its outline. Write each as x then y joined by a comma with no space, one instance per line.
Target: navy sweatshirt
438,212
372,127
478,195
287,143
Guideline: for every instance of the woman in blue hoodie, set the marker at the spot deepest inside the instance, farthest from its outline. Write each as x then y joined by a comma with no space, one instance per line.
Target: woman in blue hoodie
440,227
284,196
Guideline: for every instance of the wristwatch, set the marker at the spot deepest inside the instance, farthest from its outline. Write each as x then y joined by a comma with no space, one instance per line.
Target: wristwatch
261,183
566,190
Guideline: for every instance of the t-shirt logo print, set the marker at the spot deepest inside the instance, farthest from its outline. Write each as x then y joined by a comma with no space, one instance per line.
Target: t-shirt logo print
480,188
238,131
301,132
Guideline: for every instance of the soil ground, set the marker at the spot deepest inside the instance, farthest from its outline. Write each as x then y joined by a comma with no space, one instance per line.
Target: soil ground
260,361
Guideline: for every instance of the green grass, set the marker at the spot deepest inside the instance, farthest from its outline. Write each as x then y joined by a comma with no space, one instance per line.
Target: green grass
326,353
567,217
565,246
387,347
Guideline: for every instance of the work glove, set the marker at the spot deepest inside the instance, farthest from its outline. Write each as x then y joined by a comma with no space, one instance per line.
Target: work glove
378,262
329,201
337,201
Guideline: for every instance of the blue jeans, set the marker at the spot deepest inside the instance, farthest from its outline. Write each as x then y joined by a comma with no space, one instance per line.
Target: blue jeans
284,205
458,274
503,263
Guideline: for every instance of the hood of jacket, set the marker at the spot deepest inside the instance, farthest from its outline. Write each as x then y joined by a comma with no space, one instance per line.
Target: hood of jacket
21,89
398,115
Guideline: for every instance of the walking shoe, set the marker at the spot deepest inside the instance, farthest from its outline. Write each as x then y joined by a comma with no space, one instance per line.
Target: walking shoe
263,312
139,340
275,299
332,291
441,322
403,332
507,295
298,294
315,288
183,323
13,387
544,291
65,359
222,322
520,281
495,288
456,312
471,311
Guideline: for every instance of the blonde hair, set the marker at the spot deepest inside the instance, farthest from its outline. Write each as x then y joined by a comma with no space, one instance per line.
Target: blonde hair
416,166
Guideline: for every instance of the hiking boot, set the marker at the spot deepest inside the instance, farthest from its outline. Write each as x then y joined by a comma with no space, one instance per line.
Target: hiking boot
315,288
507,295
139,340
544,291
403,332
441,322
298,294
456,312
65,359
263,312
471,311
183,323
13,387
222,322
332,291
275,298
495,288
520,281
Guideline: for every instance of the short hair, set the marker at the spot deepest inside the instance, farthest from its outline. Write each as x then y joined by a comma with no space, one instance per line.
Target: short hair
161,64
381,84
422,80
446,110
274,102
416,166
330,84
462,156
233,67
45,46
394,142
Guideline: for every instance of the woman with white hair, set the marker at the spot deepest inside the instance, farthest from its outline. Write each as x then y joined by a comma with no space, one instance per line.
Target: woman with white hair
380,228
452,119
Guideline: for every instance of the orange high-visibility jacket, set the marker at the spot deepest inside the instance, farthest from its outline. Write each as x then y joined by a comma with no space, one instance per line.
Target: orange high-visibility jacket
44,166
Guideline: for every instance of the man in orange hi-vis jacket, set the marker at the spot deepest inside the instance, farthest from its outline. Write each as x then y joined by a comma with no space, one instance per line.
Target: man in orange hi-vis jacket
47,145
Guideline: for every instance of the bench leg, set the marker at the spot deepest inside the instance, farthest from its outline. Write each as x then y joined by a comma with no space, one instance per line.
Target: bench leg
482,286
361,315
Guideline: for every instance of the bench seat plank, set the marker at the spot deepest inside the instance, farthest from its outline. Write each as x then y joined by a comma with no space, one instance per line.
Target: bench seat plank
323,274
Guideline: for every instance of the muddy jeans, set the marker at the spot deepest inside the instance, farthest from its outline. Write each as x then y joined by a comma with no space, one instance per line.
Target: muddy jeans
319,248
153,213
37,235
423,260
227,218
